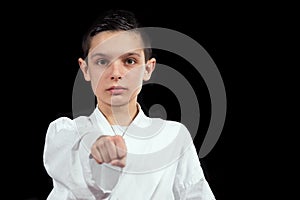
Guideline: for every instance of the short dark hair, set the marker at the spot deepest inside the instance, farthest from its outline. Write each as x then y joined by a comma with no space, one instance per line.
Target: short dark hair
114,20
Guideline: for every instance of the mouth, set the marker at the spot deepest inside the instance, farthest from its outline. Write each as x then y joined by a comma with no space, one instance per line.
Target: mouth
115,90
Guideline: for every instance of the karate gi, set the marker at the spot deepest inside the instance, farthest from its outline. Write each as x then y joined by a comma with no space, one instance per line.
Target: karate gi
162,162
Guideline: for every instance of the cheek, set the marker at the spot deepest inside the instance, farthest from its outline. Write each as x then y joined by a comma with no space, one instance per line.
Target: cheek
96,79
136,76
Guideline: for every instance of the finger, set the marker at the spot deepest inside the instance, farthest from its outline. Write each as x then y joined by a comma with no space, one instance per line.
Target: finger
96,154
95,151
119,162
104,154
111,149
121,152
120,146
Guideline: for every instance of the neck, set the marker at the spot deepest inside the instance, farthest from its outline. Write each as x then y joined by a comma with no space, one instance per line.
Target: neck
119,115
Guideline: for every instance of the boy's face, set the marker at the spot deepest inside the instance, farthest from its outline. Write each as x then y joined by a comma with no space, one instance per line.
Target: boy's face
116,67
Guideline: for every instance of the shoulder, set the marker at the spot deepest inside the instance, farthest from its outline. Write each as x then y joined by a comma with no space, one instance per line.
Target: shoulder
174,123
174,130
170,124
68,124
66,130
61,123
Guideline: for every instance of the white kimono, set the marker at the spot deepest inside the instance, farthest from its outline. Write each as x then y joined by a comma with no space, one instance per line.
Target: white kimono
162,162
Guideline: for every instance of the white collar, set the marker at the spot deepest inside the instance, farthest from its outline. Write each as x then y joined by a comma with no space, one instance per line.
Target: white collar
140,120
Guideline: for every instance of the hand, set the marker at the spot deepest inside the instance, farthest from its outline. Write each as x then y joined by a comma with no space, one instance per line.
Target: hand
110,149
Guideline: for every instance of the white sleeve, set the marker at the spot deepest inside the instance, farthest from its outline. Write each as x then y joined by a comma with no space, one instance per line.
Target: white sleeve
62,161
190,182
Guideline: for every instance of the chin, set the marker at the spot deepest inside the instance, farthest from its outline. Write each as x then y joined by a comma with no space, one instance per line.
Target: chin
118,102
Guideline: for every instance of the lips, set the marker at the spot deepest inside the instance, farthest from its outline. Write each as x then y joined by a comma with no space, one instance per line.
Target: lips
116,90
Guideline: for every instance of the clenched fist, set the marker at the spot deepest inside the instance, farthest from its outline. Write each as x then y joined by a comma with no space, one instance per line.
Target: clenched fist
110,149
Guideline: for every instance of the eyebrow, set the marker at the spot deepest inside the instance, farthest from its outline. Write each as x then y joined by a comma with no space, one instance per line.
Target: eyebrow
123,55
132,54
98,54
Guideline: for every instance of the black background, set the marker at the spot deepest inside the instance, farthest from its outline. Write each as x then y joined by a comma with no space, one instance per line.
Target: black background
42,43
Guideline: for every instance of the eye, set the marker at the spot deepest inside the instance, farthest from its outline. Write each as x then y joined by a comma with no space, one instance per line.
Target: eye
130,61
102,62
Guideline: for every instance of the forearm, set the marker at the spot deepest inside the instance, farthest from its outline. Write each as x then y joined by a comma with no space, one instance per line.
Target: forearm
66,160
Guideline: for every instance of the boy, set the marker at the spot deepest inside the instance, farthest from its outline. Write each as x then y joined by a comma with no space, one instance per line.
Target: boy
118,152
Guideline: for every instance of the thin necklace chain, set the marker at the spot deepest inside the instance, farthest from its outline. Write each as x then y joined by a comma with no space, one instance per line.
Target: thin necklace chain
122,133
125,129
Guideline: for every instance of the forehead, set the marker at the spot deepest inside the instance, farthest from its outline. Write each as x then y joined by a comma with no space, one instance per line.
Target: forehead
116,43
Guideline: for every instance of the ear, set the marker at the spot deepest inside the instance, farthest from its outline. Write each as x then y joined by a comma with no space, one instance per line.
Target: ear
150,66
84,68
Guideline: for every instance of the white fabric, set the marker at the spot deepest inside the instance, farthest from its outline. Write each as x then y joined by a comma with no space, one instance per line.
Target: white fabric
162,162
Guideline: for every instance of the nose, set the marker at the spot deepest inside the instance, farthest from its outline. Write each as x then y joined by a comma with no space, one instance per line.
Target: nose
117,72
